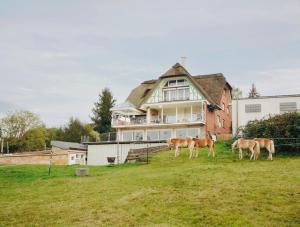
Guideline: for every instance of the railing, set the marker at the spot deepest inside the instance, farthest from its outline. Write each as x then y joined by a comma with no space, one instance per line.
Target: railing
167,119
129,121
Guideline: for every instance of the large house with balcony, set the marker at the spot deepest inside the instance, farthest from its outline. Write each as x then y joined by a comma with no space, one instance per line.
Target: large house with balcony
176,104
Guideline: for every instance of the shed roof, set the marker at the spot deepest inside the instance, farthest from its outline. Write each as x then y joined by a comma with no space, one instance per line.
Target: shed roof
68,145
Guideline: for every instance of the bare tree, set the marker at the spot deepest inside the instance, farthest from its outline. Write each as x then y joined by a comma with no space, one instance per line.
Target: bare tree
236,93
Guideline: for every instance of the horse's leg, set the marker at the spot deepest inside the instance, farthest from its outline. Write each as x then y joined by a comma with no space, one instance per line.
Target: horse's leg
190,151
240,153
252,153
176,151
270,154
197,152
213,150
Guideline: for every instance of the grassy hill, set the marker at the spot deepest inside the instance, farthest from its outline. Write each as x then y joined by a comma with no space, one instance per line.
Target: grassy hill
166,192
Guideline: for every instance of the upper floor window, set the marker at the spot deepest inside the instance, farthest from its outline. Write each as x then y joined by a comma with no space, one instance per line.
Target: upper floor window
176,83
219,121
176,94
253,108
223,106
288,106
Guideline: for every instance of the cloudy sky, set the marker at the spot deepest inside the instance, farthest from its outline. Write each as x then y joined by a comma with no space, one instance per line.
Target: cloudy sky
57,55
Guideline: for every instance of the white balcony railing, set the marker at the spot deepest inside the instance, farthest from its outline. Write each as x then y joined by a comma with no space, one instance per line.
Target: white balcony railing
167,119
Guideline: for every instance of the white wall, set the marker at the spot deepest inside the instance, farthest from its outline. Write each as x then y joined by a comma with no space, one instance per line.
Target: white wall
98,153
269,105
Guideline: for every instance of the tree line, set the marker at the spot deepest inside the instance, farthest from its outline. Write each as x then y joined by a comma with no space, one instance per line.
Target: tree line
24,131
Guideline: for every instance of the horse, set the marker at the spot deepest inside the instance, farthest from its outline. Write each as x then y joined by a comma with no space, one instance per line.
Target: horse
252,145
182,142
268,144
204,142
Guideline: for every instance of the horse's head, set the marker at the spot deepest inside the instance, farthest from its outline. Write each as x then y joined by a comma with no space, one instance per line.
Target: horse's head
233,146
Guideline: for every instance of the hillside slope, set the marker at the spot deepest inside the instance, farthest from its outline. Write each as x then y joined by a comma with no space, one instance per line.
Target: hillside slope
168,191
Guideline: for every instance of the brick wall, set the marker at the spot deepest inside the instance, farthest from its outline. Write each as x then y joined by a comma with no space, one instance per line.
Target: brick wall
34,158
211,117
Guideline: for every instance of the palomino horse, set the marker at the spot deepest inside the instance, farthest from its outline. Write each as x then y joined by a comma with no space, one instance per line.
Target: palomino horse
252,145
204,142
268,144
181,142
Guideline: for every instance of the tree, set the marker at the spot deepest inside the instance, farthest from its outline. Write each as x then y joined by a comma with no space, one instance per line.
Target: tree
253,92
236,93
73,131
101,113
54,134
17,123
34,139
19,129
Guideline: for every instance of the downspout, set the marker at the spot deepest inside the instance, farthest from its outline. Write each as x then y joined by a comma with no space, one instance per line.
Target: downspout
237,115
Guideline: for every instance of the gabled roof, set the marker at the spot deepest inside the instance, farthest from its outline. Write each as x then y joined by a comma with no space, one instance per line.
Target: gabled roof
211,86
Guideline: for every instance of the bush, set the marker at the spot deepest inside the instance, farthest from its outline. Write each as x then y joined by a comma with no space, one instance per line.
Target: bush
280,127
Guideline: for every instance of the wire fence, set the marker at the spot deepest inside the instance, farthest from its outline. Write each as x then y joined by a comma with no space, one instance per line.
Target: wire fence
285,145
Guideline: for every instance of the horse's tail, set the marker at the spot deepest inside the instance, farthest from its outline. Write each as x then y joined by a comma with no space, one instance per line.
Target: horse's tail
272,147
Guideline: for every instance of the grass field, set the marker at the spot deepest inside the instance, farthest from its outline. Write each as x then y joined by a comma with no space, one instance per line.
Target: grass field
166,192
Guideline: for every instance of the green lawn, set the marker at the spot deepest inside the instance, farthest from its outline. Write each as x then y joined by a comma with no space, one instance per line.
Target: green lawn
166,192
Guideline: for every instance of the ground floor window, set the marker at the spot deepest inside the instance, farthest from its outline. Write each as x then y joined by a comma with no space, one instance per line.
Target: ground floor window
132,135
152,135
138,135
127,135
159,134
165,134
188,132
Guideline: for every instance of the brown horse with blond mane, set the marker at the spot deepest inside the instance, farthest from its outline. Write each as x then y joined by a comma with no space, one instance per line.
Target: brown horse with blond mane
268,144
204,142
181,142
252,145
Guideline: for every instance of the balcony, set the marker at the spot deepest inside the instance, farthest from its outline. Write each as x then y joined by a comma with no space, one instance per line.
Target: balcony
156,120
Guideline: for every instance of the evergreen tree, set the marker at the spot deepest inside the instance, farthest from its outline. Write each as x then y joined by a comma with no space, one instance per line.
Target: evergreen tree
253,92
101,113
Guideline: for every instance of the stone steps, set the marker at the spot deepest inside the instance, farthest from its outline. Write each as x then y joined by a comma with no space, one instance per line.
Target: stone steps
135,154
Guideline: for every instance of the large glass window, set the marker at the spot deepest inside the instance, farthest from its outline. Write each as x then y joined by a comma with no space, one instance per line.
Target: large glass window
187,132
153,135
165,134
138,135
193,132
177,94
181,133
127,135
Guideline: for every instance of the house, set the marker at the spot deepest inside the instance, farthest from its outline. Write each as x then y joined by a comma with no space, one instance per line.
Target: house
247,109
72,153
176,104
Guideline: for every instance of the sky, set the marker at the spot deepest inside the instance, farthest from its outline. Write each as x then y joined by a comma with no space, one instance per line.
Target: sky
57,55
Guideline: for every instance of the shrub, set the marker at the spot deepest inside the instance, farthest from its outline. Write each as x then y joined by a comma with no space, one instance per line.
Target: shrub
282,128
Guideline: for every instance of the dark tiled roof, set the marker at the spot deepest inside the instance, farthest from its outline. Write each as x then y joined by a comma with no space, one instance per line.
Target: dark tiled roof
211,85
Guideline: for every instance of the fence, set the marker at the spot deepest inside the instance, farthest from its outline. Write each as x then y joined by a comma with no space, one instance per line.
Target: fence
285,145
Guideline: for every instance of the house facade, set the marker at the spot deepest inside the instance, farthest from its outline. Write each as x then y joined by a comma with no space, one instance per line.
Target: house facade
247,109
176,104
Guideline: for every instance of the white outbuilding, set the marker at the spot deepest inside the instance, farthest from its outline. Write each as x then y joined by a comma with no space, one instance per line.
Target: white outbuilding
247,109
